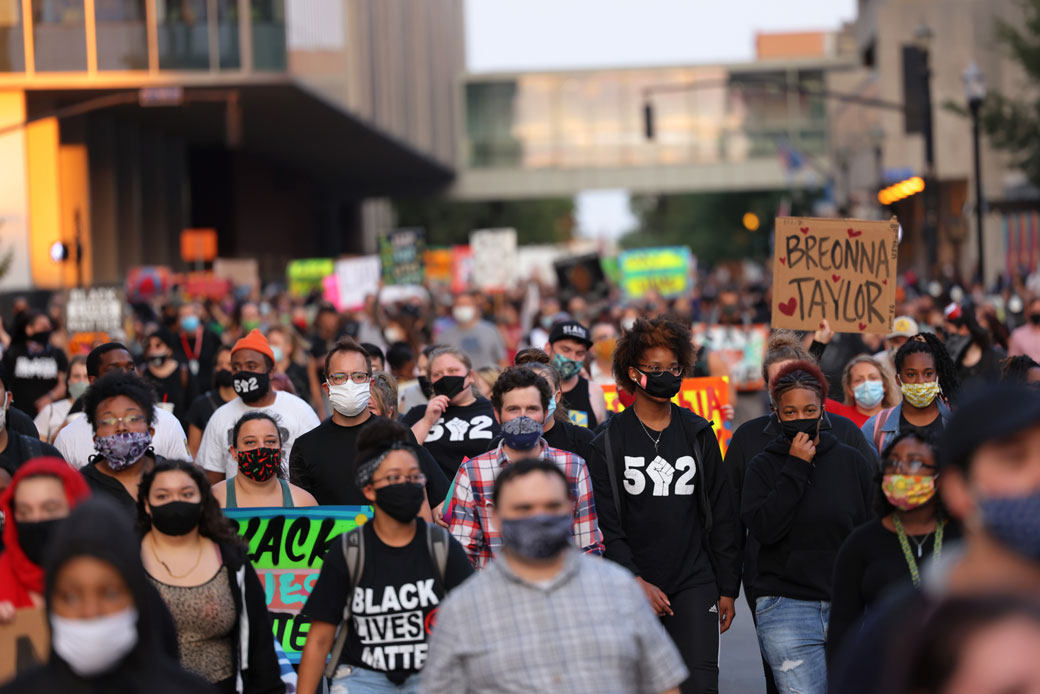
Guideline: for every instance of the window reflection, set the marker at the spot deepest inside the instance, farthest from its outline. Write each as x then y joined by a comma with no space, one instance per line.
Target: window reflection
268,34
183,33
59,35
122,38
12,44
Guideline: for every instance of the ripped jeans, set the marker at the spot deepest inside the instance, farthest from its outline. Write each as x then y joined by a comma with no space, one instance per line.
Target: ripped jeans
792,634
359,680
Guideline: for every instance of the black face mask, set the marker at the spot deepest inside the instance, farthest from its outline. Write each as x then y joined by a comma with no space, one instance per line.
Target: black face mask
157,360
177,517
223,378
41,338
400,501
662,385
793,427
35,536
251,386
426,387
1034,318
449,385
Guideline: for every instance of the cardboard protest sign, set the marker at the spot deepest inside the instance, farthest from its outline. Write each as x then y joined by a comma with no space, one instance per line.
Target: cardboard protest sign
703,396
24,642
741,347
581,276
494,259
667,271
305,275
842,270
403,256
98,309
241,272
287,548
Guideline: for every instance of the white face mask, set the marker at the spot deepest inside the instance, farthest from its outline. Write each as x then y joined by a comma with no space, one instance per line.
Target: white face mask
349,399
94,646
464,314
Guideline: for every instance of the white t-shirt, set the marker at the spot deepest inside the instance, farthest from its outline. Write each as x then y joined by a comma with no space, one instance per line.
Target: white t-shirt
51,417
76,441
295,418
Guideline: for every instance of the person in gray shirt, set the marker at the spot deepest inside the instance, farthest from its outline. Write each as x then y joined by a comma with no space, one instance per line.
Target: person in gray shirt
542,617
473,335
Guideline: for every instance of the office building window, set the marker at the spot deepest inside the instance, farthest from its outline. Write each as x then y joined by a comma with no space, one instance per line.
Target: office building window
59,35
268,34
183,30
12,45
227,32
122,38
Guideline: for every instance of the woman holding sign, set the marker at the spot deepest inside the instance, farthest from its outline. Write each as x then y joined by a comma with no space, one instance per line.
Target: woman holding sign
198,563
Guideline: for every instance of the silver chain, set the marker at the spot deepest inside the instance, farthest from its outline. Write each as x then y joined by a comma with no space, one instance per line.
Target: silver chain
647,432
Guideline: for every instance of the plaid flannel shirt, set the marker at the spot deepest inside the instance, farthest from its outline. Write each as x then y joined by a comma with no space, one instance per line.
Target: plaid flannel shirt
471,504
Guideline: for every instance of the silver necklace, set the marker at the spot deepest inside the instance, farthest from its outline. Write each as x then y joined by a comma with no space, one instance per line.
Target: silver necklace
920,545
647,432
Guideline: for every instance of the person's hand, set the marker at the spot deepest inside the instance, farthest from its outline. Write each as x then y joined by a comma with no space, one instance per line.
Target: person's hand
727,611
824,334
803,447
438,516
436,407
728,413
7,612
658,600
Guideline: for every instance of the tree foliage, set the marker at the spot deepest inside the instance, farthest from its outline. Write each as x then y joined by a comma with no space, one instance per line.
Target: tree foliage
449,222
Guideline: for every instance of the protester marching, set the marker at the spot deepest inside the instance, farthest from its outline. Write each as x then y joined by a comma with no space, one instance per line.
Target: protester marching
427,488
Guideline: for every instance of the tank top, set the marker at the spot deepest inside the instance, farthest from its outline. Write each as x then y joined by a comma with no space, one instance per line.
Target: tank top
579,405
231,498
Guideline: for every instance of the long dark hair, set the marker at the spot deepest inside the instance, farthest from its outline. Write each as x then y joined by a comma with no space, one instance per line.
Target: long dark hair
926,343
213,523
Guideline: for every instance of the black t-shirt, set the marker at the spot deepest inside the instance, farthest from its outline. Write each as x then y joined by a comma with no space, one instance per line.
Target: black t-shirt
199,355
33,374
324,462
662,523
930,432
21,448
461,432
579,405
203,408
394,605
175,388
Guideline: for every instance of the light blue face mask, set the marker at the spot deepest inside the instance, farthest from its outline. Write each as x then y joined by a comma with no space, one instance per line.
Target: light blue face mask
869,393
277,352
552,409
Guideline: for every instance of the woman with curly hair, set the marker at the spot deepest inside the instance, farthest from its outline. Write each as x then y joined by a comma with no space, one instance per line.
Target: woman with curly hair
802,497
198,563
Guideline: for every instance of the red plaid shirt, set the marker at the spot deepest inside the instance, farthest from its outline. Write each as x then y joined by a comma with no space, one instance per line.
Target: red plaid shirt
471,504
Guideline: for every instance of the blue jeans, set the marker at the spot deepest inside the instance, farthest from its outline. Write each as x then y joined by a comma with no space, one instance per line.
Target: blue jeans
359,680
792,634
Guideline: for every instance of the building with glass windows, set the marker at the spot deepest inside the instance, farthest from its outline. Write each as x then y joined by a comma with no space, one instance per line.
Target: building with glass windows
282,124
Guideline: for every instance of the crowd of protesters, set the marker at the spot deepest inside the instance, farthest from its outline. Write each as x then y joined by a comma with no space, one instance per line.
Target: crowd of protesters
882,516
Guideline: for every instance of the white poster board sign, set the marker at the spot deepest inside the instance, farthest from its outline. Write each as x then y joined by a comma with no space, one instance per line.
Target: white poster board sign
494,259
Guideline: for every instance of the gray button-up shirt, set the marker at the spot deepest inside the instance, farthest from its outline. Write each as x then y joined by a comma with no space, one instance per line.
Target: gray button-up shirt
589,629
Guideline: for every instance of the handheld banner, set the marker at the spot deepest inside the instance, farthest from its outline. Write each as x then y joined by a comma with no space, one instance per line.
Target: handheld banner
741,347
667,271
403,254
305,275
703,396
842,270
287,547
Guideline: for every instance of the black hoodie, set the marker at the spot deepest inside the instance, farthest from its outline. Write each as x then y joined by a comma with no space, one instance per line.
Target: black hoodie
801,513
97,528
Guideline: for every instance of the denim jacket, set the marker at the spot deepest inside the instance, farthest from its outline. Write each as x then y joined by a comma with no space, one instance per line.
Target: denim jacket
890,427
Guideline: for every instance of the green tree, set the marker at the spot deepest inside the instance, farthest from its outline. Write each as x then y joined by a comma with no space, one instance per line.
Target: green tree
450,222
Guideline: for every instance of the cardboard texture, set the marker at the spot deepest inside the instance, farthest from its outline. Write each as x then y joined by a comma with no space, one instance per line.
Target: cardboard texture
24,643
842,270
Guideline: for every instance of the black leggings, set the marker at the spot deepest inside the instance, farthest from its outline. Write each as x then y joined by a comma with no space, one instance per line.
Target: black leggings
695,630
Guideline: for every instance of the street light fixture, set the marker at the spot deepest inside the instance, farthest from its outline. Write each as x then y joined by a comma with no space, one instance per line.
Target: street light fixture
975,95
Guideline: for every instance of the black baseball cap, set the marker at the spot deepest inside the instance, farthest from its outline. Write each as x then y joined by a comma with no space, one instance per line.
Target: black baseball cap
987,413
570,330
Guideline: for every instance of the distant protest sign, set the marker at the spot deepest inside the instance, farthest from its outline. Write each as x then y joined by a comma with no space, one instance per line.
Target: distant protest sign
355,279
440,265
581,276
24,642
703,396
667,271
99,309
403,256
494,259
841,270
287,548
305,275
741,347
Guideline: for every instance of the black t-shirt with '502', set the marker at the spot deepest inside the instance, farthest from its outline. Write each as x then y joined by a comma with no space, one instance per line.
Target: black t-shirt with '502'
394,605
461,432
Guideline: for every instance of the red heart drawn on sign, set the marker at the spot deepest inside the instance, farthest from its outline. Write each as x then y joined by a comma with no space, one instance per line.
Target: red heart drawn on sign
783,261
804,230
836,278
853,234
788,308
862,326
884,281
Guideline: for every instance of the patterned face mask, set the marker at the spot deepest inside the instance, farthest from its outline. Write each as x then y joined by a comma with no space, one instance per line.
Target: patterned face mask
123,450
1014,522
259,464
920,395
907,492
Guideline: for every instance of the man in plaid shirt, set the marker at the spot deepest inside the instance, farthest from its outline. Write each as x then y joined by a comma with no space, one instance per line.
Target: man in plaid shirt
520,398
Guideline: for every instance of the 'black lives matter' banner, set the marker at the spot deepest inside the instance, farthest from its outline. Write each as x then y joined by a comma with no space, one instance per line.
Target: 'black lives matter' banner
841,270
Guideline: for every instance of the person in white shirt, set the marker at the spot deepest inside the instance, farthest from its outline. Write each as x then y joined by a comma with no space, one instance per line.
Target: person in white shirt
252,361
76,441
53,417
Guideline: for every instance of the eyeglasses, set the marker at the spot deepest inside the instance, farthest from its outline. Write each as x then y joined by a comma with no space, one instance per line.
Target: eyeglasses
657,371
128,420
359,377
398,479
914,466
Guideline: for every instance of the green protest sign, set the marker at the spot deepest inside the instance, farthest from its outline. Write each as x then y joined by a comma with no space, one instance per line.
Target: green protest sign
403,254
665,270
306,275
287,547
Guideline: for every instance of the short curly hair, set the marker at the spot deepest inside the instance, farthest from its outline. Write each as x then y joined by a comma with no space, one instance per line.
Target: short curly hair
114,384
799,374
647,334
515,378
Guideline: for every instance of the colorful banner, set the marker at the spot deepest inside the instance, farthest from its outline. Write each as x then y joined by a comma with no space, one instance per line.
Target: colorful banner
287,547
703,396
440,265
403,254
305,275
462,274
667,271
741,347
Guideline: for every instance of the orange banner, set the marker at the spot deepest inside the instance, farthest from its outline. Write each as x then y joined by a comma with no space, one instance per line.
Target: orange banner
703,396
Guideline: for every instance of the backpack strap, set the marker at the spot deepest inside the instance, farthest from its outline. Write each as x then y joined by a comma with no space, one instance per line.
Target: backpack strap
353,547
437,544
612,472
880,419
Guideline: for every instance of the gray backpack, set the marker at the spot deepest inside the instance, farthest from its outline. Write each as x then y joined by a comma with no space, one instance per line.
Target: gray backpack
353,546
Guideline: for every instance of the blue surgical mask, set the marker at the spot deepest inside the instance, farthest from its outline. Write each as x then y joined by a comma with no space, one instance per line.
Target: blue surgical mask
1014,521
552,408
190,324
277,352
869,393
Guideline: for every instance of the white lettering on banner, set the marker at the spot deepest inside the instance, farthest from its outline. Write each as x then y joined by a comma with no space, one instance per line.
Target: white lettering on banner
661,473
461,429
36,367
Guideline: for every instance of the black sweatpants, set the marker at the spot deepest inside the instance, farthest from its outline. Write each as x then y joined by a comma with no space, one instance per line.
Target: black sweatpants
695,630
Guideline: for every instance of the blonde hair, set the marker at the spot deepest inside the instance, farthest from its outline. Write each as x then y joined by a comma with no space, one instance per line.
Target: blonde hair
892,394
489,374
447,350
383,390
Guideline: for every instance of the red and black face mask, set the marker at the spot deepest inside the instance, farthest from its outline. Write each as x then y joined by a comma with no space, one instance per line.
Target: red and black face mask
259,464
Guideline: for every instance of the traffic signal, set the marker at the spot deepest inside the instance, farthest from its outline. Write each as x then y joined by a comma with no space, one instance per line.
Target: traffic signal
898,191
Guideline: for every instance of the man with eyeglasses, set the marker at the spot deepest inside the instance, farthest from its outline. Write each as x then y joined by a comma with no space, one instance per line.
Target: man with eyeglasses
323,461
252,361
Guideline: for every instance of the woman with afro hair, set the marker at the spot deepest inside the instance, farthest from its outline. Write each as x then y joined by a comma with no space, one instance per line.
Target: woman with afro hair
802,497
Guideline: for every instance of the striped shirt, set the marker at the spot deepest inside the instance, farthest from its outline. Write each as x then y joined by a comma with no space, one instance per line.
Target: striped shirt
471,503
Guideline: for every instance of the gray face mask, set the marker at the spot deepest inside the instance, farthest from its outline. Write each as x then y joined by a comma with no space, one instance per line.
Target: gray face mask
537,537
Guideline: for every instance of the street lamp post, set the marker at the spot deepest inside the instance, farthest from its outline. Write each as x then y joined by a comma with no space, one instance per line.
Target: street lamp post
975,94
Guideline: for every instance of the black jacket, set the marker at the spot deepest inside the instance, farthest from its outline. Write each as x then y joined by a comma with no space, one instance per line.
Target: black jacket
801,513
714,496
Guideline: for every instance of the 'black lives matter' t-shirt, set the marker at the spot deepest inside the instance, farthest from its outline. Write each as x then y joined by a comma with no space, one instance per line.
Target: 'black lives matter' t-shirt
33,375
393,608
461,432
662,522
324,462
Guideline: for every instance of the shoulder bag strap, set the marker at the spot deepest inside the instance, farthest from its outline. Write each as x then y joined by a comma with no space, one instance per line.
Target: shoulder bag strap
353,547
437,543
